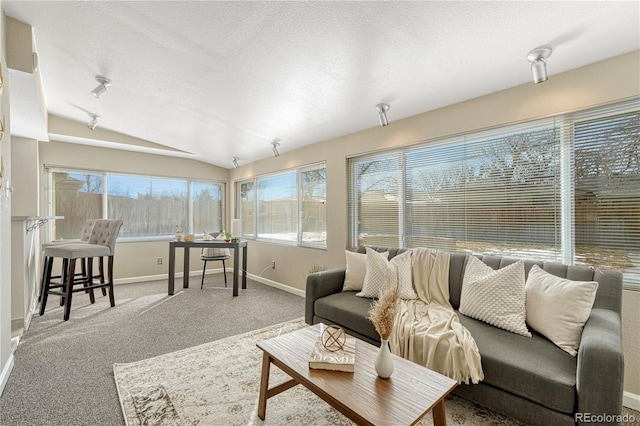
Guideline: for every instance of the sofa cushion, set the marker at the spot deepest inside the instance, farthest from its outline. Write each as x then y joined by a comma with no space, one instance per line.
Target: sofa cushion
558,308
348,310
531,367
456,274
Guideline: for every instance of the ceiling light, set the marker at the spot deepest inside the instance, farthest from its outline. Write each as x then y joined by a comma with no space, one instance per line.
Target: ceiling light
538,57
94,121
382,114
102,87
274,147
235,162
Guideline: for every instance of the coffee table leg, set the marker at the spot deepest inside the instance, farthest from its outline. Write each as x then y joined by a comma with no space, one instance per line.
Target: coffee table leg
439,414
264,385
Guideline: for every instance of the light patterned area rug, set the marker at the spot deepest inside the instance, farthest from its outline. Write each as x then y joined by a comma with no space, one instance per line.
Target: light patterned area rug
218,384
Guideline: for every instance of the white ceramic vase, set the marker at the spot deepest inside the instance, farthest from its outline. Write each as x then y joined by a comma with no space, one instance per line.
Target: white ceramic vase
384,362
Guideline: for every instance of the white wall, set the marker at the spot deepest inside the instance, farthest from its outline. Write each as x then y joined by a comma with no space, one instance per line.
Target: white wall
6,356
24,255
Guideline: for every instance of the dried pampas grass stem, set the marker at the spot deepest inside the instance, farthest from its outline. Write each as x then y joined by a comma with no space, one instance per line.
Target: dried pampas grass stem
383,311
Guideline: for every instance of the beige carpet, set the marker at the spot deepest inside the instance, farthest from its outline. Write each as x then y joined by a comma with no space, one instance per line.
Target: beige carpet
217,383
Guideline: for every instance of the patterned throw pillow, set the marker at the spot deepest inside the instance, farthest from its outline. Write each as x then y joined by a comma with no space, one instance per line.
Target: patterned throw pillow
558,308
356,270
382,273
495,297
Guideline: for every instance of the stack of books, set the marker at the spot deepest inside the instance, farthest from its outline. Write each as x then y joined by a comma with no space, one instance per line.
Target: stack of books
340,360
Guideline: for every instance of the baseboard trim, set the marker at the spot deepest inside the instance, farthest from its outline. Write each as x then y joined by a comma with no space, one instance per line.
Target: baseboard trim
6,371
131,280
262,280
631,400
277,285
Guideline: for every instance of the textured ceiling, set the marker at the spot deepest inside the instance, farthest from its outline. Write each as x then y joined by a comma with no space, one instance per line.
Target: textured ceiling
224,79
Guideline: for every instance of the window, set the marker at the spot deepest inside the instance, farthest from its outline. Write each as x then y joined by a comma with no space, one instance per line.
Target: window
149,206
207,206
563,189
375,205
77,196
278,207
607,192
287,207
246,204
487,194
313,211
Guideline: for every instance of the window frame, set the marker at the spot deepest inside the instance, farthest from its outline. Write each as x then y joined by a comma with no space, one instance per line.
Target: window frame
50,169
300,242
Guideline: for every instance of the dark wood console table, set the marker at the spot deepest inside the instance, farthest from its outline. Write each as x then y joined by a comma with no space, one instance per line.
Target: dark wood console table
187,245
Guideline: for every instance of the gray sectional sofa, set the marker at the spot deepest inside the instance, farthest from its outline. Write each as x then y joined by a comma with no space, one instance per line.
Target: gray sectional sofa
529,379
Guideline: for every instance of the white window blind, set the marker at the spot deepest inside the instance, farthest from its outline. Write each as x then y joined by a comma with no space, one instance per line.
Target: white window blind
492,194
374,200
564,189
607,189
485,193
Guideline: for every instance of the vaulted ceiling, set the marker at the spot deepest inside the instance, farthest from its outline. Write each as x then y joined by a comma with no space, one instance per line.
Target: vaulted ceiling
216,80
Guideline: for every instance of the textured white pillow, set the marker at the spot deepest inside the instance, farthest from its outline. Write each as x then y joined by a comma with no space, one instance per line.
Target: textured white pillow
215,252
495,297
382,273
356,270
402,265
557,307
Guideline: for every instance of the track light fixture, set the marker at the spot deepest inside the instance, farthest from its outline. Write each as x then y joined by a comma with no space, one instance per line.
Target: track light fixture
94,121
235,162
102,87
274,147
382,114
538,58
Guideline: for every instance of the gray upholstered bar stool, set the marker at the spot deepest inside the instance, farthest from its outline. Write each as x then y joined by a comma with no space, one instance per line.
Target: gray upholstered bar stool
102,242
85,233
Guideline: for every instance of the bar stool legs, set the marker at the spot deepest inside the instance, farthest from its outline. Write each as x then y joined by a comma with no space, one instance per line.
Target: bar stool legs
46,283
101,244
70,279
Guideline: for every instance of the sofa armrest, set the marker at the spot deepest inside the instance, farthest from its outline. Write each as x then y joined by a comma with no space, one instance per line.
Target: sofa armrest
600,374
321,284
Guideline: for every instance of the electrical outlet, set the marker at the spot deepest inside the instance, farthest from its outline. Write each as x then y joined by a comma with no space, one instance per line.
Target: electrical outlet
159,261
273,264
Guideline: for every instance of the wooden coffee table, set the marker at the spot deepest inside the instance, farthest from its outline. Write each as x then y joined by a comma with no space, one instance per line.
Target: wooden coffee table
403,399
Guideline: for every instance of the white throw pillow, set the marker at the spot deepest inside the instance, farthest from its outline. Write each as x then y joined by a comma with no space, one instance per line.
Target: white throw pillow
557,307
356,270
381,273
495,297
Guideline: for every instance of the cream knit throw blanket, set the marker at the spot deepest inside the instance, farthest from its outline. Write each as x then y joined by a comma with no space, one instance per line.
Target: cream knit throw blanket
427,330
